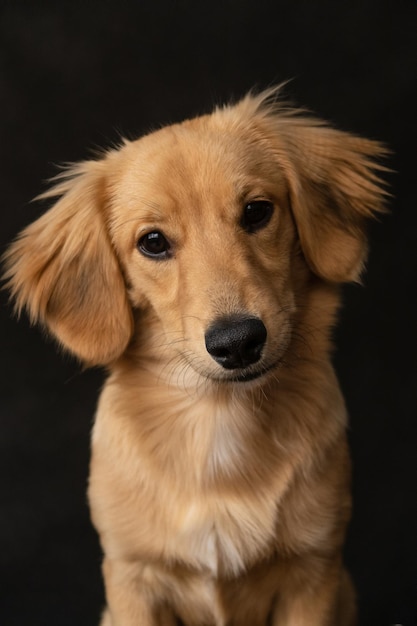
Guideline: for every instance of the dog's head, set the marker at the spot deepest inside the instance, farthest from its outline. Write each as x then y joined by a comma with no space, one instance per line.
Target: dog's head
208,231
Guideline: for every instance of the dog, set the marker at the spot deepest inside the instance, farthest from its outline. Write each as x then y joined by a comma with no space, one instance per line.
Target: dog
201,265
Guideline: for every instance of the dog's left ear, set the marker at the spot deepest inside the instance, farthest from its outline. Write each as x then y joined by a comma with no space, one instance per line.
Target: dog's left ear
64,271
334,188
333,180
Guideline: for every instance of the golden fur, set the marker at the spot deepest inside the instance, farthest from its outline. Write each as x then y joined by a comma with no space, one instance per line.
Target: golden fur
220,497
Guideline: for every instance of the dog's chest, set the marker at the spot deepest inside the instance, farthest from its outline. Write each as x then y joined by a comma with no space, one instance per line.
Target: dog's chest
224,537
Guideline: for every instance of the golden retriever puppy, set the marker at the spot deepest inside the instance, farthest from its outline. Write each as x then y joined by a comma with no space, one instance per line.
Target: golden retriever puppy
201,265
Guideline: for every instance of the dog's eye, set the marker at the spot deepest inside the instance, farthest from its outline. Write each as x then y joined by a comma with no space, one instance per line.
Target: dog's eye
256,215
154,245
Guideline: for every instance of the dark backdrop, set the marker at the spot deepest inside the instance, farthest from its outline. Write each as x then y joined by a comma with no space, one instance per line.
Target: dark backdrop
73,77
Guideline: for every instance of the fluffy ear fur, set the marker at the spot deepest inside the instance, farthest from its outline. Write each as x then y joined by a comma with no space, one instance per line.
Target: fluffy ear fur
63,270
334,186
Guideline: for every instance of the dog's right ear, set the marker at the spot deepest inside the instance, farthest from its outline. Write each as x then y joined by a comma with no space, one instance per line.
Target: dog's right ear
63,270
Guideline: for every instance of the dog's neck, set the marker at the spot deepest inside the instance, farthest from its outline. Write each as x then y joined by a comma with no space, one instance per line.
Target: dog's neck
218,433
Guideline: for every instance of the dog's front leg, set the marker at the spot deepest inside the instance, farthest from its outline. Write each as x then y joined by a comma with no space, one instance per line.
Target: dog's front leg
131,598
316,597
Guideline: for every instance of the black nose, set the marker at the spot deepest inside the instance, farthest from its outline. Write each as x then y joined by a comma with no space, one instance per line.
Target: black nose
236,342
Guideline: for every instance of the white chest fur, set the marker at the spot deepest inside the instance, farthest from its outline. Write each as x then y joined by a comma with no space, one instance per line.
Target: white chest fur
223,535
193,489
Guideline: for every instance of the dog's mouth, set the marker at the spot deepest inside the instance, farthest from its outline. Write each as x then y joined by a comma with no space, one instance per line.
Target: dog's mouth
238,346
249,376
245,376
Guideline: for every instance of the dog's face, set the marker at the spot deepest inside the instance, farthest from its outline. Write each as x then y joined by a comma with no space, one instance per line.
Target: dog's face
208,230
200,220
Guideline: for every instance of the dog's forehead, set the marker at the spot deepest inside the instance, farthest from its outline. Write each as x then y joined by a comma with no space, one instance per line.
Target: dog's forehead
199,158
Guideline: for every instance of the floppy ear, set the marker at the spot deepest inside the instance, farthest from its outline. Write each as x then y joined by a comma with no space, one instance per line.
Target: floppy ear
333,180
64,271
334,187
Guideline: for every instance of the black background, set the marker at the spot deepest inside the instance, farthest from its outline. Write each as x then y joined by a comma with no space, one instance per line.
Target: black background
74,77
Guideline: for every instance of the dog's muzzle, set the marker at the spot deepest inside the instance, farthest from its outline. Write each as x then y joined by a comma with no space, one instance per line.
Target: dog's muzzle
235,342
